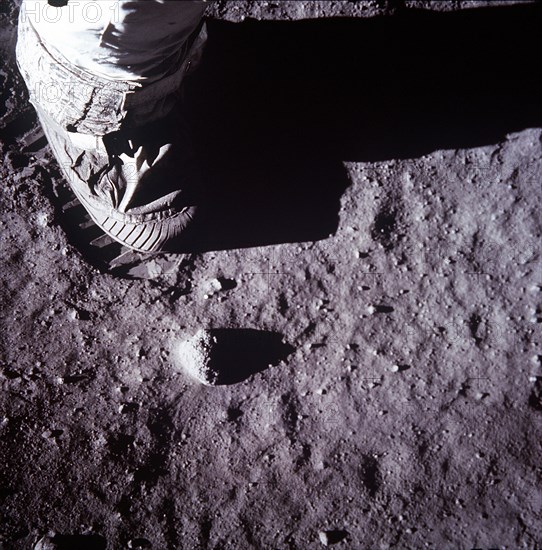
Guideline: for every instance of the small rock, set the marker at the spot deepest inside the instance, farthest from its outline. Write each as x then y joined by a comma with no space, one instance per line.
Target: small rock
42,219
215,285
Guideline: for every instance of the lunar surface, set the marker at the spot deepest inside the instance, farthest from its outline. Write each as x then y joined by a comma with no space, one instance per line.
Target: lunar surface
351,356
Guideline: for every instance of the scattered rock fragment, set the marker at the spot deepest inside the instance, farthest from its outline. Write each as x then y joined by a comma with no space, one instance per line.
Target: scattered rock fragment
215,285
220,284
42,219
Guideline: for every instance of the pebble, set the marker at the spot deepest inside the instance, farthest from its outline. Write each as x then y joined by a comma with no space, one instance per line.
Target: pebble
212,287
42,219
215,284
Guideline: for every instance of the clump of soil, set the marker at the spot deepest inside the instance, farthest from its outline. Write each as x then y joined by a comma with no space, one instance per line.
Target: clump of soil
195,357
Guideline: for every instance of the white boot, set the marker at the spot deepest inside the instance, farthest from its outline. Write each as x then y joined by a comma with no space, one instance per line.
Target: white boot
122,146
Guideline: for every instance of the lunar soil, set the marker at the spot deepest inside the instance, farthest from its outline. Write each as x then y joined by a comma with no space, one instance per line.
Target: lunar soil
351,356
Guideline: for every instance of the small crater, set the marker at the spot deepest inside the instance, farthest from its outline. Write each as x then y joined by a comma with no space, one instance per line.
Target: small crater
535,399
317,345
475,322
227,284
384,227
129,407
206,527
370,472
234,414
120,444
74,379
383,309
332,536
283,304
11,374
400,367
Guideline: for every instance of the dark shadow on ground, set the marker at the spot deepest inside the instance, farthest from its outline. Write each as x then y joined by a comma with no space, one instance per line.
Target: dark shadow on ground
240,353
277,107
74,542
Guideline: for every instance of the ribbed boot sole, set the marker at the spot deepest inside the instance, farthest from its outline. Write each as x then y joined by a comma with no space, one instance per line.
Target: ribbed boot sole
105,253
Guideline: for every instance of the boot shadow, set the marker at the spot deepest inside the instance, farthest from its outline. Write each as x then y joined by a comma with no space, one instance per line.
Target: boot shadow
277,107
